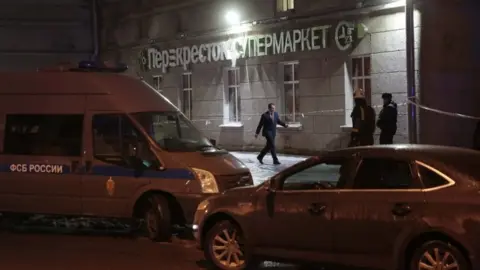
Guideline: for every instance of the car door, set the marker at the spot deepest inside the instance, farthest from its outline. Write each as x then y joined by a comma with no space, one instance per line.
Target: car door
41,161
297,216
382,204
111,180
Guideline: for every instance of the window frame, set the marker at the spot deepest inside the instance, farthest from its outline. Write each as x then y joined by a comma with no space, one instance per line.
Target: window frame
312,162
6,134
187,88
237,118
157,81
449,180
363,77
295,83
124,117
282,6
416,183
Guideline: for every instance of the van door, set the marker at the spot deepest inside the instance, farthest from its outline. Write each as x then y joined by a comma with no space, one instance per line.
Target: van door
111,180
40,163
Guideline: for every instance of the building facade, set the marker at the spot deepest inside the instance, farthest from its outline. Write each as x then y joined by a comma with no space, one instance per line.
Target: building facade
222,62
37,34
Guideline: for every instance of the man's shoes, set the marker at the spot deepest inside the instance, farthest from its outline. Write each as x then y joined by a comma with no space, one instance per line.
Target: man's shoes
259,159
276,162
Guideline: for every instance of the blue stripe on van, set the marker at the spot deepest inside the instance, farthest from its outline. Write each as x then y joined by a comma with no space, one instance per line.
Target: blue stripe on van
108,170
119,171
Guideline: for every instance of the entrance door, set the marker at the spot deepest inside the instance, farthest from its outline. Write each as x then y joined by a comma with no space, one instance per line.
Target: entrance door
111,180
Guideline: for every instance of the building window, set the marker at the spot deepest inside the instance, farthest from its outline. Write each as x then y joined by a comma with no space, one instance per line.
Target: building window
44,135
361,76
233,82
187,96
291,92
157,82
285,5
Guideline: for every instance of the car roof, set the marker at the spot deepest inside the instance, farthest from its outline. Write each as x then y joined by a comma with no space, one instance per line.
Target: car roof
106,91
409,151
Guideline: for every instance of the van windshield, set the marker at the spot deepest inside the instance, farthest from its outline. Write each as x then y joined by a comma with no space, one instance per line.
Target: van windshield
173,131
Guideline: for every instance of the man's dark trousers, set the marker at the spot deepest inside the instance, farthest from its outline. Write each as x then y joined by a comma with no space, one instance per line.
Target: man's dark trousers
269,146
386,137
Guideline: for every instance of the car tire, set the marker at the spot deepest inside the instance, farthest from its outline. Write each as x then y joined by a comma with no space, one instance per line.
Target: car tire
230,243
157,219
433,253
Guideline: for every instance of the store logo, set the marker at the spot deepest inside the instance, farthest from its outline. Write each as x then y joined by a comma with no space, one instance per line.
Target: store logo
344,35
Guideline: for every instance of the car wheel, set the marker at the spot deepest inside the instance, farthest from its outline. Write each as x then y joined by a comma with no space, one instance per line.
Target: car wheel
438,255
225,247
158,219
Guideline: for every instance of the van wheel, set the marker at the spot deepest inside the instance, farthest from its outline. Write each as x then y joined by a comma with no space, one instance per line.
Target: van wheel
438,255
158,219
225,248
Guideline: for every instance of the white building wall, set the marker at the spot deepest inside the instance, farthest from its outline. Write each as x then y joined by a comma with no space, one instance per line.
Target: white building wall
325,85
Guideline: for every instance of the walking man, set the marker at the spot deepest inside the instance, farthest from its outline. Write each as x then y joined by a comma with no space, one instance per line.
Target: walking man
387,120
268,125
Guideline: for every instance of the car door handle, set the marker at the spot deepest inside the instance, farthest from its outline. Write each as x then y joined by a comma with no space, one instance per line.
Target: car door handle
317,208
401,209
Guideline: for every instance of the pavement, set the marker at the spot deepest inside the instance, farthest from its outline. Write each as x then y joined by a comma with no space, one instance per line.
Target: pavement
262,172
60,245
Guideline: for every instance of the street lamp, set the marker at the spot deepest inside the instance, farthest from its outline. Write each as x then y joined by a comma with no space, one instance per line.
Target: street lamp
232,17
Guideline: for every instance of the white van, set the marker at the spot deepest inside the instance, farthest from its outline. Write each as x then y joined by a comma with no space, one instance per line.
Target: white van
107,145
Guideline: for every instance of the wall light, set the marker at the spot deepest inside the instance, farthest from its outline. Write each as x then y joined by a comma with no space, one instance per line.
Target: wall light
232,17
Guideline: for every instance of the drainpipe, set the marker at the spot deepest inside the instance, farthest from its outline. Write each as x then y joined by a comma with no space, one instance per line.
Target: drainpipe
95,34
410,51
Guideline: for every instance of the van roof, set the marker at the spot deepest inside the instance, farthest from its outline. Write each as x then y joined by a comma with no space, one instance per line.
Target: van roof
110,91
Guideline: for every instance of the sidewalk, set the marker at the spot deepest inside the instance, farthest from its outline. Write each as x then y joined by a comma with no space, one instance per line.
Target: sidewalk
261,172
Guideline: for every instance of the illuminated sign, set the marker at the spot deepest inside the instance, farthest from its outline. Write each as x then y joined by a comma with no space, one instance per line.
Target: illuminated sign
296,40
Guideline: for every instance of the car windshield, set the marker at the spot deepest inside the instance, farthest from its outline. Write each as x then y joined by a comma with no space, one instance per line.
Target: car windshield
173,131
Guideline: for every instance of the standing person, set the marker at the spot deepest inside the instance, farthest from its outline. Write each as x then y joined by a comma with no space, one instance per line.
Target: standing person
363,121
268,124
387,120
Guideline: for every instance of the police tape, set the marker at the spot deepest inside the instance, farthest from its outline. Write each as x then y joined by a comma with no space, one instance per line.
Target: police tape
219,117
430,109
248,117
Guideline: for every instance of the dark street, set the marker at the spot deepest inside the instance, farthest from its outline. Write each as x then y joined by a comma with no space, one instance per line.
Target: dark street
30,251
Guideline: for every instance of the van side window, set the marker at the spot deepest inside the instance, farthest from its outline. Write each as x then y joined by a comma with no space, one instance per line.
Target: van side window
44,135
115,140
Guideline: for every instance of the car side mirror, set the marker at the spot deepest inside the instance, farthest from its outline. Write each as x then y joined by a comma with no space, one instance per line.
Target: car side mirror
213,142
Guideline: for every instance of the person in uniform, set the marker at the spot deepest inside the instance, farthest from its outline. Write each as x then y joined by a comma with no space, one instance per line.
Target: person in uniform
363,121
387,120
268,125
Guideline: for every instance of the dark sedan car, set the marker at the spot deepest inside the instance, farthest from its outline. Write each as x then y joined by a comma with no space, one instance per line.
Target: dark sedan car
386,207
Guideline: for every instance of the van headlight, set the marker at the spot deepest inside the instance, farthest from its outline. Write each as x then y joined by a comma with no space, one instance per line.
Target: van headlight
207,180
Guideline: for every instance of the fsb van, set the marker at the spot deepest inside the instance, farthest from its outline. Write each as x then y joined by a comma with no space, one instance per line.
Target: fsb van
91,142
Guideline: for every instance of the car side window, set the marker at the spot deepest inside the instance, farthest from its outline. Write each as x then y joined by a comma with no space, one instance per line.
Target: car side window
117,141
431,179
317,176
44,135
383,174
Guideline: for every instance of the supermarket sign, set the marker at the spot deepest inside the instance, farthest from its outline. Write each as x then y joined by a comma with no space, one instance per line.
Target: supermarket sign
247,46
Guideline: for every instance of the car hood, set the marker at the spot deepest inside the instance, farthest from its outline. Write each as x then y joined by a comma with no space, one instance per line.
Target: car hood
241,191
218,163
